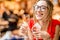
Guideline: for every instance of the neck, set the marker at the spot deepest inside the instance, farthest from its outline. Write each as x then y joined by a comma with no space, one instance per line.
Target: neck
44,22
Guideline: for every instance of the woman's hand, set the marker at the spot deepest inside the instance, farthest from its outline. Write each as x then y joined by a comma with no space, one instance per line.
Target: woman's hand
25,31
45,35
42,35
24,28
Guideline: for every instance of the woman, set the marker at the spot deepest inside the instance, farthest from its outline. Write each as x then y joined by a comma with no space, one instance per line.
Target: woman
48,27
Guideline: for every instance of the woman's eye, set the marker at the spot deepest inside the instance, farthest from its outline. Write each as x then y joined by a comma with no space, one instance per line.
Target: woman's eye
43,8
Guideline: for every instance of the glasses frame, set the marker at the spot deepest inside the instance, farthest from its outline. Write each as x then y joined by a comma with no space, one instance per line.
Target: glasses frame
41,8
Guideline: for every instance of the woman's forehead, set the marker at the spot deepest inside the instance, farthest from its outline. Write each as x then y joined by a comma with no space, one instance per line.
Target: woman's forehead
40,3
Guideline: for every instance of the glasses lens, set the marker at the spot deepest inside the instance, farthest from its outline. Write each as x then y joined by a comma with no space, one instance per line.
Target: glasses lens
43,8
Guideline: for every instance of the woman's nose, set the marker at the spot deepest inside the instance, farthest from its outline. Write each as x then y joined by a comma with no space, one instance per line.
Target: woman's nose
38,11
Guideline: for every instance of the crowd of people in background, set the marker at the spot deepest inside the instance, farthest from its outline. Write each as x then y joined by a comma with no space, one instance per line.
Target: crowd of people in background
14,17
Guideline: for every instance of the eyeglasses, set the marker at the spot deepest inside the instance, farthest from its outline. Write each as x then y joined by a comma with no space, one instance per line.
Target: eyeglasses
40,8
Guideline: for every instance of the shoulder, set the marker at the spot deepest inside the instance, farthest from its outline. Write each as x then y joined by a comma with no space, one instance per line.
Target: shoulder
56,29
54,21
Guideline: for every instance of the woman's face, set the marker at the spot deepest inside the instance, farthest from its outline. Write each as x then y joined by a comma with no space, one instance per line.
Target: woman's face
41,10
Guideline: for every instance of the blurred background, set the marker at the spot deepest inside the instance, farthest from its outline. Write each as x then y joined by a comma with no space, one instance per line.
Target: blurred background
23,9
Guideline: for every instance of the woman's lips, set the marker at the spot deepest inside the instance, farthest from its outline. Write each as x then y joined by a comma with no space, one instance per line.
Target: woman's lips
40,14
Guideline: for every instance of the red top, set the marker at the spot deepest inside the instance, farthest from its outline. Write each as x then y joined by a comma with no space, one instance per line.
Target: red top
31,23
51,27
